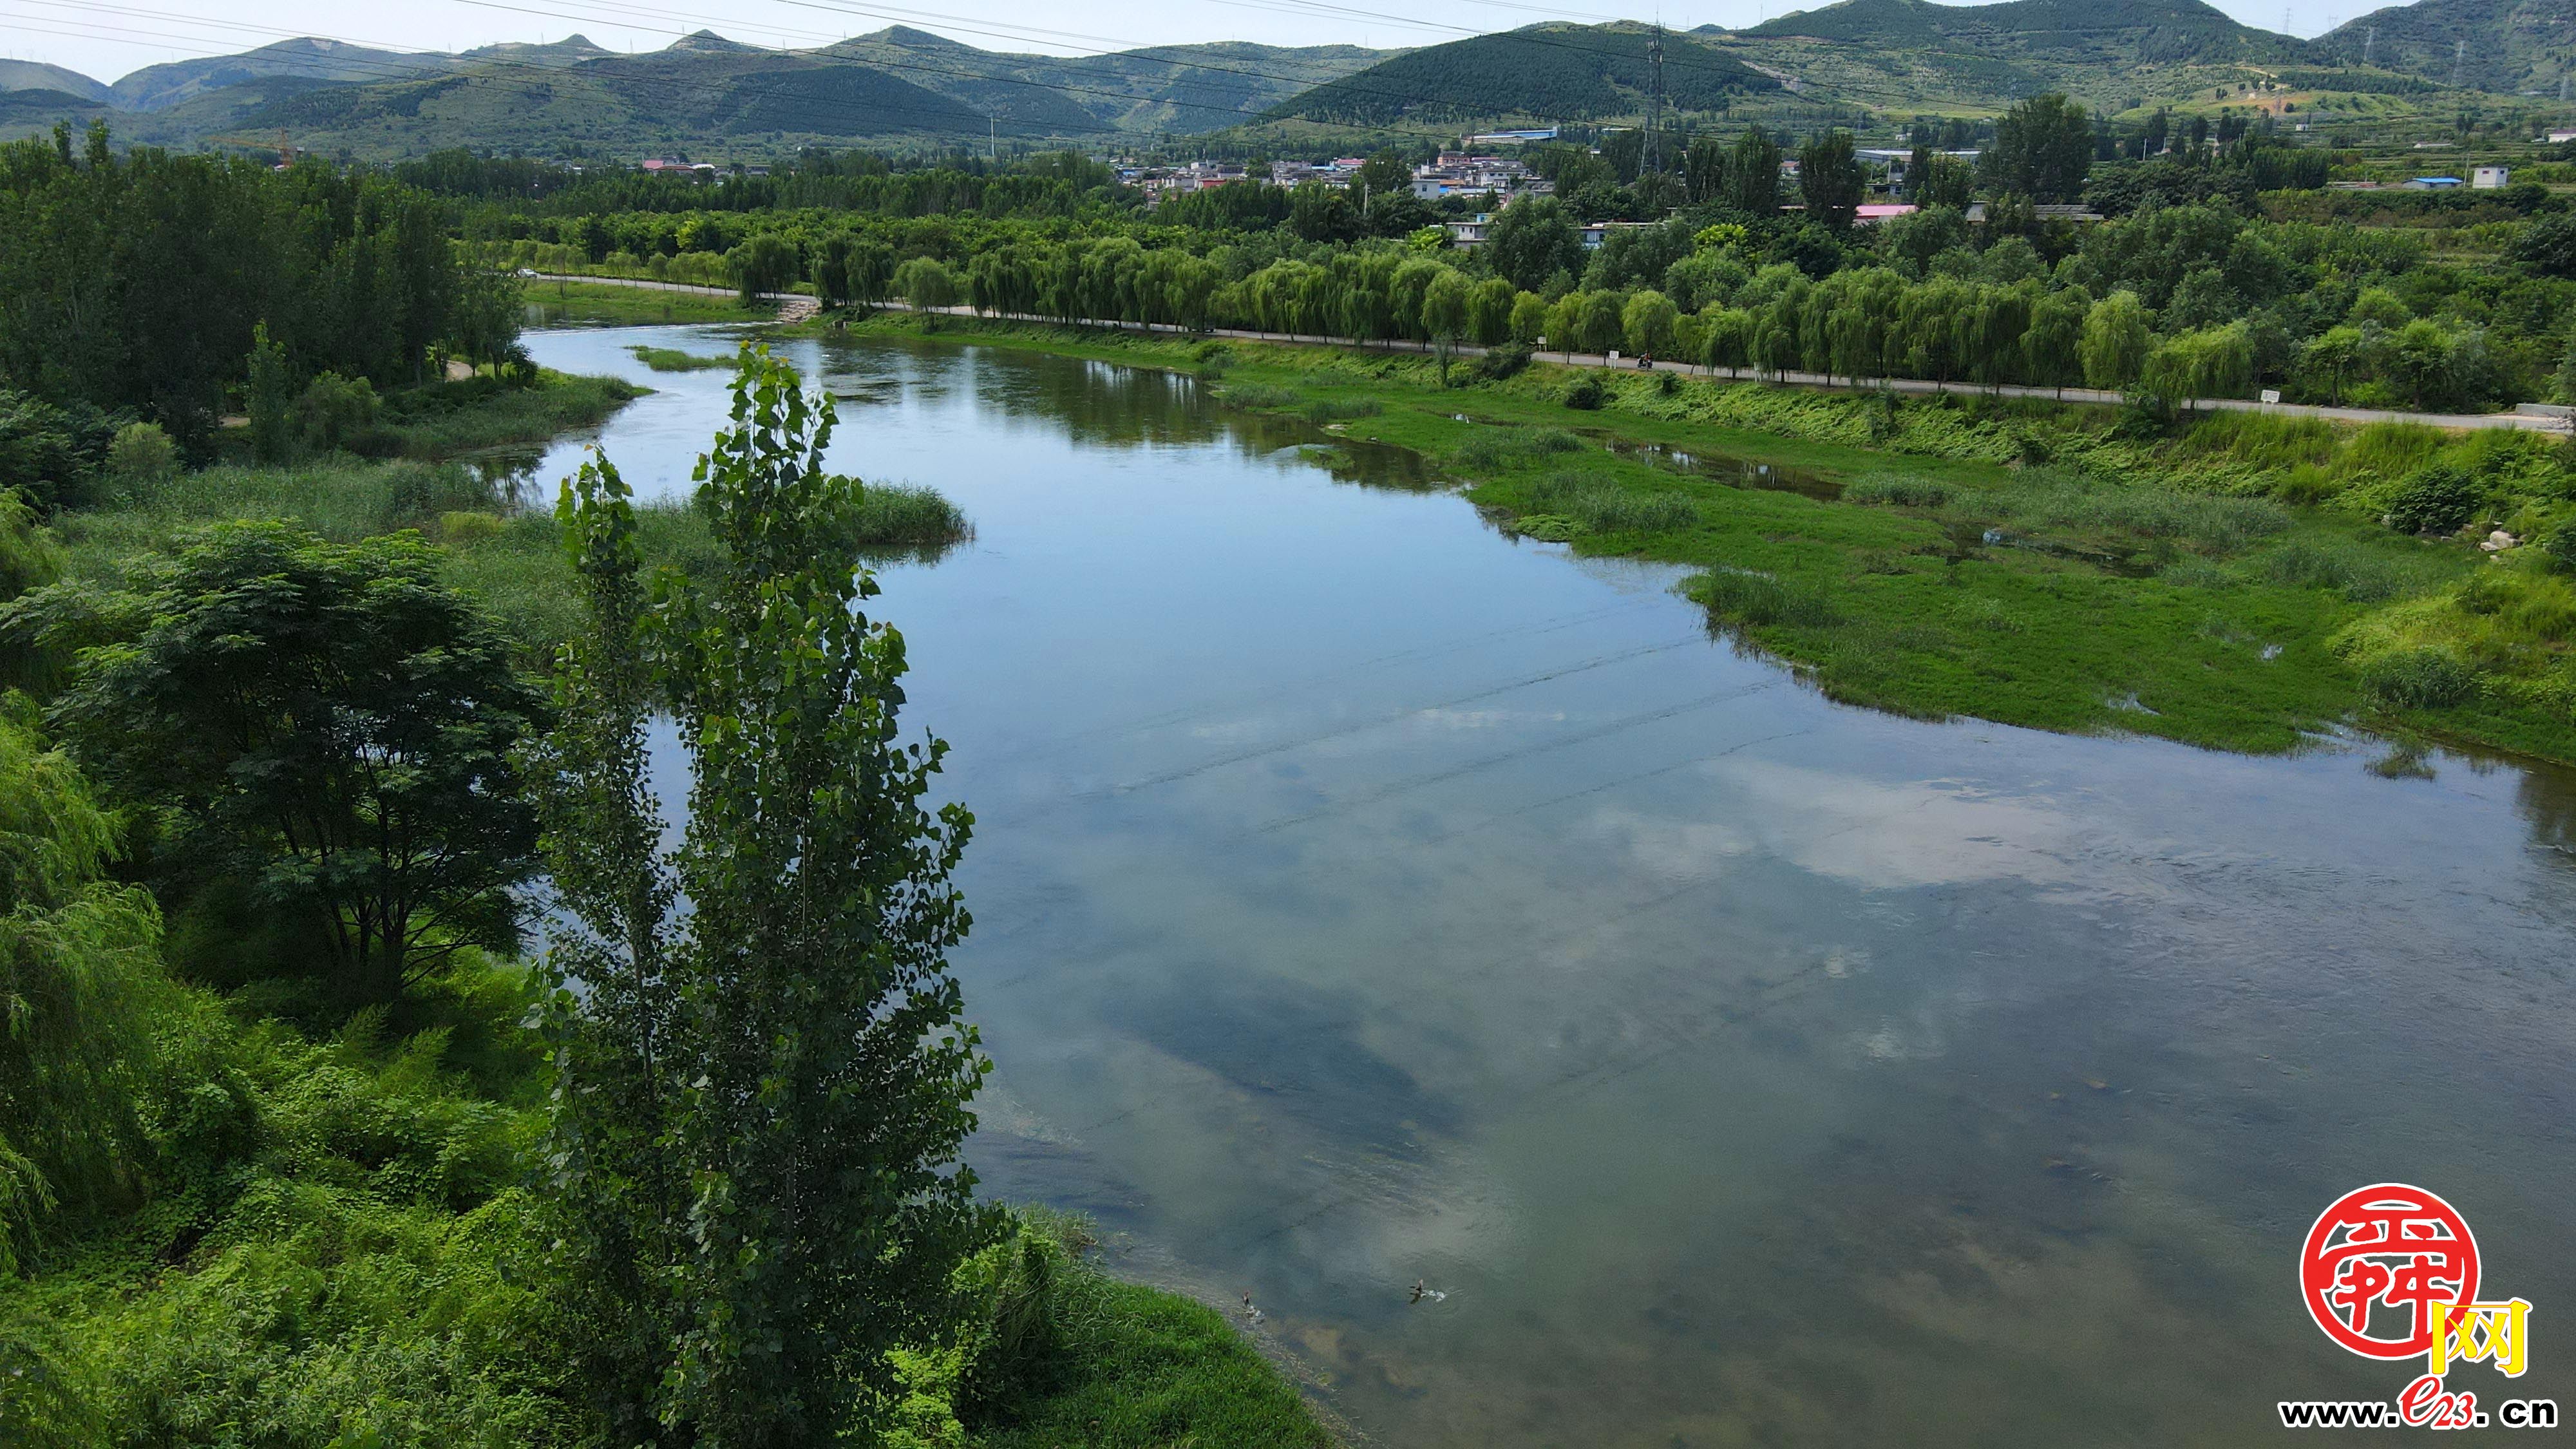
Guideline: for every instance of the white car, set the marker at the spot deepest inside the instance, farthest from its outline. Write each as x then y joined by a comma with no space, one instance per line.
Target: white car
527,271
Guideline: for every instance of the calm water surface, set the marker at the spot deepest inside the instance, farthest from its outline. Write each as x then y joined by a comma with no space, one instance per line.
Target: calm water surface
1364,898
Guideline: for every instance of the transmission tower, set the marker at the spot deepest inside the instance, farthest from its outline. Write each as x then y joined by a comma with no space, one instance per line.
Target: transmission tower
2459,58
2367,43
1655,99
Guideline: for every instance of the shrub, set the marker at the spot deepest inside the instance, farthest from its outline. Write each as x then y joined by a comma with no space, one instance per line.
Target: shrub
141,454
1742,598
335,412
672,359
1494,449
468,526
416,492
48,452
1598,505
2560,545
2360,576
1337,409
1586,393
1256,395
2438,499
1503,361
2418,679
2070,501
893,515
1897,492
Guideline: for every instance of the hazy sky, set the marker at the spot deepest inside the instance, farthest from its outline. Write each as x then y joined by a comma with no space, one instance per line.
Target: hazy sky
107,38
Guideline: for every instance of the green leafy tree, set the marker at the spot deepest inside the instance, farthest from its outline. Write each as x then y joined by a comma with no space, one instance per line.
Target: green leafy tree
1726,337
85,1000
484,325
926,284
327,727
2116,338
2211,362
2052,350
1533,240
1830,179
1489,312
1947,181
142,455
1753,174
2548,246
1379,177
764,264
333,412
1529,317
1599,324
268,396
1647,323
761,1099
1704,170
1444,315
833,285
2043,149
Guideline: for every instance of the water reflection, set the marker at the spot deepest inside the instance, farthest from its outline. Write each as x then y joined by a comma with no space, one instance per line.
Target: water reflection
1362,902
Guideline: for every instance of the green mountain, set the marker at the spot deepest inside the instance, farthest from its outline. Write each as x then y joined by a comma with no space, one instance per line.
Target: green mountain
2116,32
158,86
1176,88
571,97
571,50
1895,53
2496,45
32,75
1550,72
668,100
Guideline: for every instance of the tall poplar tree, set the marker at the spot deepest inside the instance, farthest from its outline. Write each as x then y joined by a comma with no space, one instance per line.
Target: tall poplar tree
761,1098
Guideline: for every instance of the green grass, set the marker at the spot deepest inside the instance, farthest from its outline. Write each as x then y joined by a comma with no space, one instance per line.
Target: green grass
556,304
508,561
672,359
448,418
1146,1369
2226,585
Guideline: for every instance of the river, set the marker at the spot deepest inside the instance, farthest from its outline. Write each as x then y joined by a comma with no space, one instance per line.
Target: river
1364,898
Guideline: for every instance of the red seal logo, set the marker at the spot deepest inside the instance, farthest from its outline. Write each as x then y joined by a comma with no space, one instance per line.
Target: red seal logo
2376,1259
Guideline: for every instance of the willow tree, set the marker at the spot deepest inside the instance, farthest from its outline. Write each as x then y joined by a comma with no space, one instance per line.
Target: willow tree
760,1098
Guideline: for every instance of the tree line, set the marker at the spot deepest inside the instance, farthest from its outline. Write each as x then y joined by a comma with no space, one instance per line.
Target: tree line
141,282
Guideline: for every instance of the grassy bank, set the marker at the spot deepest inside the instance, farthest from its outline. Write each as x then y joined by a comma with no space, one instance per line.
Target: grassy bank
338,1248
2230,582
448,418
509,561
556,304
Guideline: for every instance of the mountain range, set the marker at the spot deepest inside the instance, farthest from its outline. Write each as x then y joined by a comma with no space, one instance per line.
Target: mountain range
572,97
2495,45
704,92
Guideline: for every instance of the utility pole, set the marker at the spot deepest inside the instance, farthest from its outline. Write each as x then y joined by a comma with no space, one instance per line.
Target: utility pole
1655,99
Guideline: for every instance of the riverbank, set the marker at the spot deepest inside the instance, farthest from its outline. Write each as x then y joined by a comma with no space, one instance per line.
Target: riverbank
561,302
2226,582
444,419
1118,1363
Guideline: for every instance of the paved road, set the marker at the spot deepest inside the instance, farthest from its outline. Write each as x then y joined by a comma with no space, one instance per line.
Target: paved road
803,305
